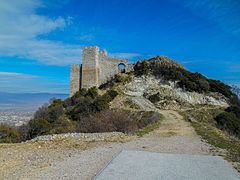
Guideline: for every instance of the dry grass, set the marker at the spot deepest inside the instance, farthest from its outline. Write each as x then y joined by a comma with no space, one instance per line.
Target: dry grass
204,125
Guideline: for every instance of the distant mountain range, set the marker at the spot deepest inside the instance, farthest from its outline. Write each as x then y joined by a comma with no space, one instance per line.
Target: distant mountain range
26,101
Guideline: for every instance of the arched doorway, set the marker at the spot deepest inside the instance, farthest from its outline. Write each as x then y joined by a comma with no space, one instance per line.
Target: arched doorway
122,68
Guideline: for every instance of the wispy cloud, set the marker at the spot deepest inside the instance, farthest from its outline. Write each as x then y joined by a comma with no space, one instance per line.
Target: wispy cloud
9,75
20,82
234,68
21,27
125,55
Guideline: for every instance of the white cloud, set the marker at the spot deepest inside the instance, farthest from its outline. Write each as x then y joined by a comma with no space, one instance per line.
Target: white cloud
20,28
125,55
10,75
21,82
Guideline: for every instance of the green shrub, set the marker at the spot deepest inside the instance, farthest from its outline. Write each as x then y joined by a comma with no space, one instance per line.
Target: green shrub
100,104
63,125
56,102
229,122
123,78
37,127
234,109
92,92
154,98
9,134
142,68
110,95
54,112
193,82
108,121
80,93
119,78
218,86
42,112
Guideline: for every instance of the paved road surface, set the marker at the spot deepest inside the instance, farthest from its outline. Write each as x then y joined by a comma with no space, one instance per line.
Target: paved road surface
142,165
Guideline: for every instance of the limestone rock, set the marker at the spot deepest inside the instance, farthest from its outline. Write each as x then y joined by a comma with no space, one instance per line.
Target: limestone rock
171,97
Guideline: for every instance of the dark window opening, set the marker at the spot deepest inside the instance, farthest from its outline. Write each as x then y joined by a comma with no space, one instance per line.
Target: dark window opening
122,68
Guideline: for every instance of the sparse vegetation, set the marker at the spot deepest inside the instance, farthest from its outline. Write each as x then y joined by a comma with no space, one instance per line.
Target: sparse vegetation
116,80
203,120
154,98
193,82
65,116
108,121
86,111
148,129
9,134
229,120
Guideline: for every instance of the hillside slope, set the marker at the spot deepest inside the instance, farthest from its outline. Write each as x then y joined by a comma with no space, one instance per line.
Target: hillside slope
161,107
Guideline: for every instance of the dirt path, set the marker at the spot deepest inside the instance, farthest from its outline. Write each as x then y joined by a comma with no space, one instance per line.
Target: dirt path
62,161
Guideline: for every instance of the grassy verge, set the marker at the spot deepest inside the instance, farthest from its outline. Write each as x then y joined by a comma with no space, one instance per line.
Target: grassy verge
148,128
205,125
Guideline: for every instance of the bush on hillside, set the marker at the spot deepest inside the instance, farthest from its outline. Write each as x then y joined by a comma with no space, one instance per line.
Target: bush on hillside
9,134
117,79
37,127
228,121
142,68
234,109
108,121
120,121
193,82
218,86
154,98
64,116
63,125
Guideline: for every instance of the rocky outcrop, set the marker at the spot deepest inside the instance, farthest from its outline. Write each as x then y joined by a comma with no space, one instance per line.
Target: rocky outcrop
163,61
169,96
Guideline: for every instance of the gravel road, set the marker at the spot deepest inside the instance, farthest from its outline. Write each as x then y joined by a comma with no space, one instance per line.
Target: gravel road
75,159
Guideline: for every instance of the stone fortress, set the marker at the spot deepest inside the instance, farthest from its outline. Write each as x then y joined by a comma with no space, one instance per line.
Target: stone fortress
96,68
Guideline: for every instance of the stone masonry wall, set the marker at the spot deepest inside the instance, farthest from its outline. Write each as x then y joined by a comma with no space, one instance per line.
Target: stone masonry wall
75,78
109,68
97,68
90,66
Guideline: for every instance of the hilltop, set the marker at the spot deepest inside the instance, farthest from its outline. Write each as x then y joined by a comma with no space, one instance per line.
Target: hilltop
157,106
162,81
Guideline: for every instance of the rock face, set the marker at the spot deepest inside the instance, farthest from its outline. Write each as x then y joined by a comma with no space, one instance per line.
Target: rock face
169,96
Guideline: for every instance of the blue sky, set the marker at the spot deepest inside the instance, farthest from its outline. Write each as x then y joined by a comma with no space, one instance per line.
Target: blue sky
39,39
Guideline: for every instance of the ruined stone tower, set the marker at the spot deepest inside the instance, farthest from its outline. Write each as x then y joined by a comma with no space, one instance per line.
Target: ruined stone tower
96,68
90,68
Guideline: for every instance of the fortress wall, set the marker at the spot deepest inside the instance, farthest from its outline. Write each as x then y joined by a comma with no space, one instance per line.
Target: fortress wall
109,68
90,68
96,68
75,78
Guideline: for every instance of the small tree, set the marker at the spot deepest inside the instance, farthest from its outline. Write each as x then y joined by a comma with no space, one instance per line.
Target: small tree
9,134
38,127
